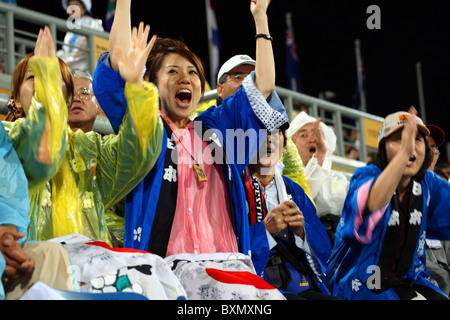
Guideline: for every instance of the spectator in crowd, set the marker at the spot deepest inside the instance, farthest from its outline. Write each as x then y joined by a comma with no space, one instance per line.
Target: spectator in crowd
84,108
280,210
229,80
94,172
352,153
82,115
438,252
316,143
74,51
166,214
23,264
42,85
125,271
392,205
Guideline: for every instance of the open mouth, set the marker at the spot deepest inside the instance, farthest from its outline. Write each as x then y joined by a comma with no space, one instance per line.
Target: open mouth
271,146
411,160
269,151
183,98
312,150
76,108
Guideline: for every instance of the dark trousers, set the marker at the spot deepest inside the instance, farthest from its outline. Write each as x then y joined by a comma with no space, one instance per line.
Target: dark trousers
310,295
410,293
330,222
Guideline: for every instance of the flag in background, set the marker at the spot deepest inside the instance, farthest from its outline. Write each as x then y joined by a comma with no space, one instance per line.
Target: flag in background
110,11
359,96
292,63
213,42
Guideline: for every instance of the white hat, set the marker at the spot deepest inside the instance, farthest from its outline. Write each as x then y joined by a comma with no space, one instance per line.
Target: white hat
86,3
396,121
302,119
233,62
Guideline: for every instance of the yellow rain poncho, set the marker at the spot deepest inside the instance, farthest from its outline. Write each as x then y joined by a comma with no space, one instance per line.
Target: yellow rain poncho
95,172
293,167
40,139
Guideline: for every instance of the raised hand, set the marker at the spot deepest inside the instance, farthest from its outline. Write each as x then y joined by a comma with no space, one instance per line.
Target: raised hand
265,62
45,47
257,6
409,133
131,67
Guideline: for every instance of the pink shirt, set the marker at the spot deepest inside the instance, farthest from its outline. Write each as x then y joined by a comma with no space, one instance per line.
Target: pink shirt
202,222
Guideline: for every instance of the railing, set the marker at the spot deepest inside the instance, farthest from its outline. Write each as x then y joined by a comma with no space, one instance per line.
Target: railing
18,42
331,113
337,116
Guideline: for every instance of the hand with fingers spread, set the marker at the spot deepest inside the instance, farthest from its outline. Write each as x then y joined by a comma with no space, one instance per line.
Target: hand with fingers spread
132,65
284,215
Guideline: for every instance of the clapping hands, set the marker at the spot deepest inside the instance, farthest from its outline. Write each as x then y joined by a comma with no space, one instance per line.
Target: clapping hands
45,47
17,261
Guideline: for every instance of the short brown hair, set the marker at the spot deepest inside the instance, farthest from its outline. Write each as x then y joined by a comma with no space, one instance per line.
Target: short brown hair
166,46
21,70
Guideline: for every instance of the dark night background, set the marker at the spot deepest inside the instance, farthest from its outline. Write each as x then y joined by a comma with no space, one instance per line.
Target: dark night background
324,31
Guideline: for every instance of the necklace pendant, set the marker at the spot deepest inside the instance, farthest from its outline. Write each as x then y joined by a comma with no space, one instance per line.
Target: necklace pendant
304,281
200,173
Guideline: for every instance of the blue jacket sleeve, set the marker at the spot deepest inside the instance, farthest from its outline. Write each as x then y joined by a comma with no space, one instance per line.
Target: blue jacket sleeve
14,201
243,120
438,218
318,240
259,246
109,89
317,236
237,128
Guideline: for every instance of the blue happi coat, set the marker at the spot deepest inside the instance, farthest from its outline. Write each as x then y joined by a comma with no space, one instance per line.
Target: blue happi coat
246,110
359,237
318,240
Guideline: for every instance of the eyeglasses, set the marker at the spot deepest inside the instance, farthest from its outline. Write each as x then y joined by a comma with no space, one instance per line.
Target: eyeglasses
435,149
84,93
236,77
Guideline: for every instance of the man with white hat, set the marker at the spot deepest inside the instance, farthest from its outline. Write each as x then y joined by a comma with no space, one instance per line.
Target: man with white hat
231,75
229,79
316,143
